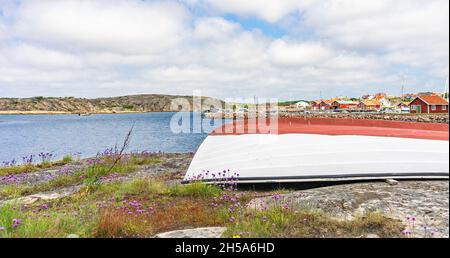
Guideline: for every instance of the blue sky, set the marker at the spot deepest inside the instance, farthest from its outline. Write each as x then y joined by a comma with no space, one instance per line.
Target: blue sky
252,23
287,49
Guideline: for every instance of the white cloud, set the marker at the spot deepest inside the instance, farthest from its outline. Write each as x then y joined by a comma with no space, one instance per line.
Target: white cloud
29,55
121,26
298,54
381,23
352,61
215,29
100,48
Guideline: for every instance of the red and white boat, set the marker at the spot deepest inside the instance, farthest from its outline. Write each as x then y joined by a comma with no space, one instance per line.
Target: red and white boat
324,149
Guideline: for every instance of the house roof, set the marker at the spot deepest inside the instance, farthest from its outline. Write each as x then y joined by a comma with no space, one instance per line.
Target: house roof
328,102
346,102
372,102
433,100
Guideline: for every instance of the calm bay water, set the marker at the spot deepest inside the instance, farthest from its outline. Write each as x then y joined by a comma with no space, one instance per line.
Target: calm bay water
22,135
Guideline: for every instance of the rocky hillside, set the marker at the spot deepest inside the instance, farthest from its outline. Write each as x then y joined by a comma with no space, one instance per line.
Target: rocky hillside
135,103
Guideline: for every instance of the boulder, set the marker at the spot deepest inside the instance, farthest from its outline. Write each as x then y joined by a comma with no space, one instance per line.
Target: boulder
208,232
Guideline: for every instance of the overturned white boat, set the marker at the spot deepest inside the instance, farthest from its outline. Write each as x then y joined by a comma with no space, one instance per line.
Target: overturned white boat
311,150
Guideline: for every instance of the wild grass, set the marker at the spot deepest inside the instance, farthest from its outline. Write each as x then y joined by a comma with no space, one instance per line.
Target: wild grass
113,223
143,187
94,173
27,168
279,222
144,160
196,189
136,187
15,191
20,223
91,176
185,212
144,207
67,159
149,187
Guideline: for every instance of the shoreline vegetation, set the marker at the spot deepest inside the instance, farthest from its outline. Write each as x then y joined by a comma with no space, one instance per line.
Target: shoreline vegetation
113,200
140,195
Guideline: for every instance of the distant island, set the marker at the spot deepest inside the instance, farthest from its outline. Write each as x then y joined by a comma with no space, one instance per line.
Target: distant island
71,105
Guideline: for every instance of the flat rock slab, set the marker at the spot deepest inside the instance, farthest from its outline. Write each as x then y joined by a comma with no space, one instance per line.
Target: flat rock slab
209,232
427,201
30,199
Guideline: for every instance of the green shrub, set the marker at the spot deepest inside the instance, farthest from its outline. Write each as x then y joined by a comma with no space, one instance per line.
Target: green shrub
196,189
67,159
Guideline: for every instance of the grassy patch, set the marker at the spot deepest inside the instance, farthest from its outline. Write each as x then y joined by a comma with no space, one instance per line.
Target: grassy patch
67,159
279,222
27,168
196,189
114,223
14,191
151,188
32,167
104,166
38,223
136,187
91,175
144,207
143,187
144,160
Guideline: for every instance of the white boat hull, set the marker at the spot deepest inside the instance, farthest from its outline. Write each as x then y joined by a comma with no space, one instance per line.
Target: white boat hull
262,158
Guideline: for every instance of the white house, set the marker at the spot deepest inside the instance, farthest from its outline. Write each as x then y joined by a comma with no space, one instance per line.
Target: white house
302,105
386,103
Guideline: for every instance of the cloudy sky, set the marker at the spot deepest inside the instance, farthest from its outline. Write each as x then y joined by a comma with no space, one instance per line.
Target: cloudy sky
287,49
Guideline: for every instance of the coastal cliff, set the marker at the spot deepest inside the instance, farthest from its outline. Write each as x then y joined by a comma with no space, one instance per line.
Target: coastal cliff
123,104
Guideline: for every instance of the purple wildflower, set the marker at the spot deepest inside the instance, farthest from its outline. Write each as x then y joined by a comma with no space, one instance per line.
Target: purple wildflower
16,223
406,232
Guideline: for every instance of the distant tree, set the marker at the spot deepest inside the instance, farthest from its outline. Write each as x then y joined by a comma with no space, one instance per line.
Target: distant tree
39,98
128,106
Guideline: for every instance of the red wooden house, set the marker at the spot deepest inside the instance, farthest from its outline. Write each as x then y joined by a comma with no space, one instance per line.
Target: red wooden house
326,104
341,104
428,104
321,104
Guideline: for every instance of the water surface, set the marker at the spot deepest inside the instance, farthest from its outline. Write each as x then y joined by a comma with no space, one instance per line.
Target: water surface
22,135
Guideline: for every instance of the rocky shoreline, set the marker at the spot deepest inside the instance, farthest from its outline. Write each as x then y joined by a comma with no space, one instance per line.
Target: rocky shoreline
173,164
421,118
37,112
